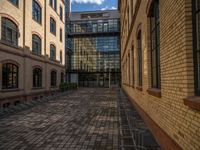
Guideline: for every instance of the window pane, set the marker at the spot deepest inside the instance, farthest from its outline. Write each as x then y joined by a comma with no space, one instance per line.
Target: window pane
9,31
9,76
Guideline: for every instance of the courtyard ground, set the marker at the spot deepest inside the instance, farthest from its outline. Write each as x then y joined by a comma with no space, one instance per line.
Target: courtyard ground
86,119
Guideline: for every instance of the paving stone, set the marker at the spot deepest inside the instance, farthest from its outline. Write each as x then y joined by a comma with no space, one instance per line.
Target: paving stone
87,119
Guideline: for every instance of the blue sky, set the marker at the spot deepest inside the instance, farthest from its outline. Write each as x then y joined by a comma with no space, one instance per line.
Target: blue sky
90,5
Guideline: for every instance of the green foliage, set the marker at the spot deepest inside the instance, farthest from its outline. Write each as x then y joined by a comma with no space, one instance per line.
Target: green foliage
68,86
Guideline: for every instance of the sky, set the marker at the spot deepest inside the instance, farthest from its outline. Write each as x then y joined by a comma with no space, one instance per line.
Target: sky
90,5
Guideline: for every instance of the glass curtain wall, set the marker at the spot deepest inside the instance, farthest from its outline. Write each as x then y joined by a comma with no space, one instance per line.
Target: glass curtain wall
95,52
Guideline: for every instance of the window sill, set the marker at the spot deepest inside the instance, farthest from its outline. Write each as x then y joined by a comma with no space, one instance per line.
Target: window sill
139,88
10,90
193,102
54,87
37,88
53,33
154,92
40,23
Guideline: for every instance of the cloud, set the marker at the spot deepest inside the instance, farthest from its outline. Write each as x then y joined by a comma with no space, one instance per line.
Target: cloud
109,8
98,2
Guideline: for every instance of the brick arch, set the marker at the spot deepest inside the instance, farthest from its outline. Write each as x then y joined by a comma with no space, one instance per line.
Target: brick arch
36,33
10,61
51,16
10,17
52,43
39,3
53,69
37,66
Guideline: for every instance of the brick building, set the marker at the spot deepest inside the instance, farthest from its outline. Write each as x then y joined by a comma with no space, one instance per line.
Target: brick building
160,67
31,49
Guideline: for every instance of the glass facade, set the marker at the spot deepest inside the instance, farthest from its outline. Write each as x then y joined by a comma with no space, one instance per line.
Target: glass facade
95,52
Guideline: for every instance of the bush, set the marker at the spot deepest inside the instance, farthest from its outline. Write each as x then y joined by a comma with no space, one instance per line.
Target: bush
68,86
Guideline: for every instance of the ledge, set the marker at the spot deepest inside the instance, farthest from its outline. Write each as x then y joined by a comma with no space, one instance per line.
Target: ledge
192,102
37,88
154,92
10,90
139,88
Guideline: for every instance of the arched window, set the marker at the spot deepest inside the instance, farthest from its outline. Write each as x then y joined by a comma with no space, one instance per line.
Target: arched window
52,52
155,45
52,26
9,33
139,44
37,12
37,77
9,76
196,40
53,78
61,55
36,44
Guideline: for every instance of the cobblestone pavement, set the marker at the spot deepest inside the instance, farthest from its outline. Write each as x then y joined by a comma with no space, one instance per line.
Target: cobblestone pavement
86,119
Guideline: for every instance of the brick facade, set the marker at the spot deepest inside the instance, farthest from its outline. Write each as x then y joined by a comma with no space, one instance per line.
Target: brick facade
168,107
22,55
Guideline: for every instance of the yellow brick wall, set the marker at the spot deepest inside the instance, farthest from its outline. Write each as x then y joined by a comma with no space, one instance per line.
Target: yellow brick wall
179,121
21,54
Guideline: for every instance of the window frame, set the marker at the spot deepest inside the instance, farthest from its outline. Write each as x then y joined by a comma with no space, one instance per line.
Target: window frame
37,73
6,74
51,3
61,13
140,63
61,35
36,8
196,44
55,5
155,45
38,51
52,57
8,25
61,56
53,78
52,22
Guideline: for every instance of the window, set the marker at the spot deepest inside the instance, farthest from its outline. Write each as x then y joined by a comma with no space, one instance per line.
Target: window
37,77
61,35
9,76
133,67
53,78
51,3
55,5
15,2
155,45
62,77
61,13
36,44
52,26
139,42
52,52
37,12
196,34
61,57
9,32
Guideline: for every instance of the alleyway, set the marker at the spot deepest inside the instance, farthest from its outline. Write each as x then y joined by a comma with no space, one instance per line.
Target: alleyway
84,119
